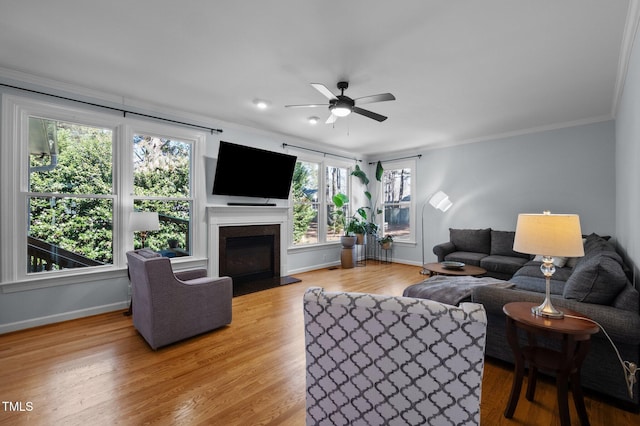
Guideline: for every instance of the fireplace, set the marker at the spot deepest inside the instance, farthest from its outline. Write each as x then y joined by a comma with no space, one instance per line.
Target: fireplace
249,253
257,246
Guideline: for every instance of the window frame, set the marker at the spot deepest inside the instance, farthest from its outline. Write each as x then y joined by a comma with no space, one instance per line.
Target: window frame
394,165
14,172
323,204
197,179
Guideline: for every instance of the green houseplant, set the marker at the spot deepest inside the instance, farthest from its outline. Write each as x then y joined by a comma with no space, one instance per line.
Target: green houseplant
348,240
371,227
386,241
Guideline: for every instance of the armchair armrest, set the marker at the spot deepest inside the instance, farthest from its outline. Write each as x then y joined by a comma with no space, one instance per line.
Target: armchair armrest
190,274
441,250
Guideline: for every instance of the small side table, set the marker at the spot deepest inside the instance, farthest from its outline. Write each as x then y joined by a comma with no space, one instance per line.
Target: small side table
575,336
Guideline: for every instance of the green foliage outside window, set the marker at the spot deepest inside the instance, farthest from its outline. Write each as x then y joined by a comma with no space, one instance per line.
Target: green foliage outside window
304,212
71,199
73,219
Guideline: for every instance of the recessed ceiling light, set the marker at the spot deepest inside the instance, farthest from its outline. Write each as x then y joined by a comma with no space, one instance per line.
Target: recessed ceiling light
314,120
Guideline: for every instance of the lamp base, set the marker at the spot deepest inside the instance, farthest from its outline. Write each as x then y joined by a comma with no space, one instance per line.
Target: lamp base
547,310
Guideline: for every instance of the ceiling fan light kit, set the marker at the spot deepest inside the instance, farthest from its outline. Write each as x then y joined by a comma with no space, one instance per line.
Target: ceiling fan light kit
341,105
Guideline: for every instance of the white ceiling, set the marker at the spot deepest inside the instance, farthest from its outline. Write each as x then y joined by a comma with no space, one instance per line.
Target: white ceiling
460,70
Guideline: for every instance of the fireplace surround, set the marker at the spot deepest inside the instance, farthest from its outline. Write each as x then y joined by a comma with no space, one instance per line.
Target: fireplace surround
252,217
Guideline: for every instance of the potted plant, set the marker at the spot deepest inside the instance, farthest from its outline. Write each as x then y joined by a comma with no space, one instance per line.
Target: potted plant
386,242
341,219
359,224
368,213
364,180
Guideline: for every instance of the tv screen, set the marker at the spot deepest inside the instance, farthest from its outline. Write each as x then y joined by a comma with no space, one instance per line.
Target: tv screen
252,172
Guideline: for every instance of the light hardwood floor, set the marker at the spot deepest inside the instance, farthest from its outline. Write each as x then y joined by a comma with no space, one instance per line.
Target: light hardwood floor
99,371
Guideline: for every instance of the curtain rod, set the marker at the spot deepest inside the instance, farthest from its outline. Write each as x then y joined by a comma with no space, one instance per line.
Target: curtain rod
395,159
284,145
123,111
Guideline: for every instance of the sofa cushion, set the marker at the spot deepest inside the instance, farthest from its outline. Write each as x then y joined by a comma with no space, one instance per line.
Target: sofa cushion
595,243
596,279
502,244
502,264
471,240
465,257
628,299
538,284
532,269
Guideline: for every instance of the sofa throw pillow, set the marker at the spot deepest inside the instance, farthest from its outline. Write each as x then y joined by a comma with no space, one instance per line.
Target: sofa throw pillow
502,244
573,261
598,280
472,240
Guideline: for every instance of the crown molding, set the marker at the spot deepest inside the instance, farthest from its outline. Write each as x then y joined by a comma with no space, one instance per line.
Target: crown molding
628,38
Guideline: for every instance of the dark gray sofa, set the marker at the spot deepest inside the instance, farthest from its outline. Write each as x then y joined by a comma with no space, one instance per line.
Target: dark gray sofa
487,248
595,285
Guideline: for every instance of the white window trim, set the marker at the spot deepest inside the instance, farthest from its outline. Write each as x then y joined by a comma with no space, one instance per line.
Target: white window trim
198,180
14,176
322,202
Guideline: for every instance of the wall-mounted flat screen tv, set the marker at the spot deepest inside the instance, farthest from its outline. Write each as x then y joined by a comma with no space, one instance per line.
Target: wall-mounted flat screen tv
253,172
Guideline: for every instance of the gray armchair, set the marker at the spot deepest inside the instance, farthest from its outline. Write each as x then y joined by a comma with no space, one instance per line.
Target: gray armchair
168,306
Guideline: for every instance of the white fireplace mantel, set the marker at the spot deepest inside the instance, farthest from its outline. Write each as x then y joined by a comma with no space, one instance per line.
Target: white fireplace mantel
223,215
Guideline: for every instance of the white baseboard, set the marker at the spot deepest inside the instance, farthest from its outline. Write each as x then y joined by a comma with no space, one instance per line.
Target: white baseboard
65,316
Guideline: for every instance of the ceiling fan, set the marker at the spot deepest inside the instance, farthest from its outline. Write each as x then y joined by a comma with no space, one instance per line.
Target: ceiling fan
341,105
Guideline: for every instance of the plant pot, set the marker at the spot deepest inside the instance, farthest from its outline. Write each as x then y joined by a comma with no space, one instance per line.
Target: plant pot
359,239
347,254
348,241
386,246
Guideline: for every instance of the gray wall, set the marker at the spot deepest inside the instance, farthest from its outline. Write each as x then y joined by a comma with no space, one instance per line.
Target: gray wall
568,170
627,159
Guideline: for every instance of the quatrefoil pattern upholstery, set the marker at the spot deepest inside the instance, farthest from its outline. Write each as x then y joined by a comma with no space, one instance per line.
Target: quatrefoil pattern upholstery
385,360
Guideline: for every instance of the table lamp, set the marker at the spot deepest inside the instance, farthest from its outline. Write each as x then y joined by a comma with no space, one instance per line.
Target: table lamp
548,235
144,222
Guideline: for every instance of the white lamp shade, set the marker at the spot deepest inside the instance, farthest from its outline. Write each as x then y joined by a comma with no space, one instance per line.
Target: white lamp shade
549,235
440,201
144,221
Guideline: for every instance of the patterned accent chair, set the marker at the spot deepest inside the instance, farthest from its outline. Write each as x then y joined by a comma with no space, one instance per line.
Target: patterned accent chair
167,306
380,360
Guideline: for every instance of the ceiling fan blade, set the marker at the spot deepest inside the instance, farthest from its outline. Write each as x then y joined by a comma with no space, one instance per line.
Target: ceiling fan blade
375,98
307,106
369,114
332,119
323,89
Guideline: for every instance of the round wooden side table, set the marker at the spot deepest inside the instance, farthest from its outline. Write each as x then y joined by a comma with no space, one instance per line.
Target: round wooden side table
575,336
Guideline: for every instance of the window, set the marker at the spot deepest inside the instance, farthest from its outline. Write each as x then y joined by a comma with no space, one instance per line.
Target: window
70,195
313,221
305,203
162,184
336,182
397,196
73,176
